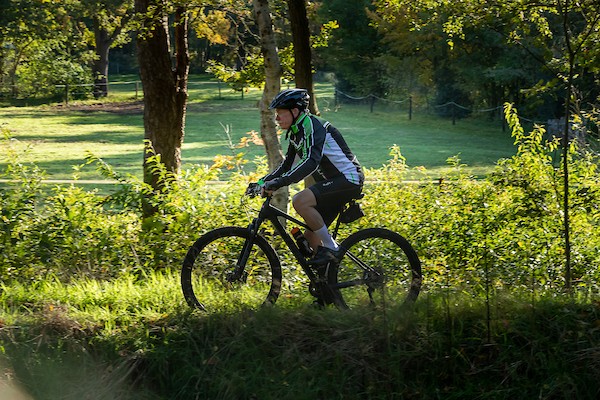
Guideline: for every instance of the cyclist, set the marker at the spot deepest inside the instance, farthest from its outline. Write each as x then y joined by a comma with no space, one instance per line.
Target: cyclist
316,148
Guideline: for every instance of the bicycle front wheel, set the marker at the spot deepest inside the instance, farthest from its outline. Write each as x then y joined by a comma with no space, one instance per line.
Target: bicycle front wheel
378,267
212,280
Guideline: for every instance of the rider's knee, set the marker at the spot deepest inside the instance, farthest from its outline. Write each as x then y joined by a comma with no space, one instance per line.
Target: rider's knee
302,200
297,202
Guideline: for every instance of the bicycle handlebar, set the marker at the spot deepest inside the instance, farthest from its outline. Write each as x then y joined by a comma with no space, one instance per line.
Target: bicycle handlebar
255,189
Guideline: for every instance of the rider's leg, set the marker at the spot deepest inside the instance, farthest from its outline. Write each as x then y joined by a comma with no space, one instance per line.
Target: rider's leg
304,203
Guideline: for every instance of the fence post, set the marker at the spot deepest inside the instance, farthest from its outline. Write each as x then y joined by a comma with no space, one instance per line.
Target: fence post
453,113
136,90
410,107
372,102
67,94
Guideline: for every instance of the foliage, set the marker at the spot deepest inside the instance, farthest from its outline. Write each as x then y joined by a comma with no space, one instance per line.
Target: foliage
50,66
501,232
40,47
252,73
483,53
353,47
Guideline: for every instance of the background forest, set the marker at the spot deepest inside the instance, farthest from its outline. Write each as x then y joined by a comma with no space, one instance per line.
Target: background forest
478,54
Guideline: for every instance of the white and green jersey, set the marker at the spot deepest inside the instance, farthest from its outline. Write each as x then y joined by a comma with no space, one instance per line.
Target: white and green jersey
320,148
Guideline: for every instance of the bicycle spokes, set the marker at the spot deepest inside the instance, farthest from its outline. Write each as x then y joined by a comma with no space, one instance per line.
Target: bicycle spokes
215,276
379,265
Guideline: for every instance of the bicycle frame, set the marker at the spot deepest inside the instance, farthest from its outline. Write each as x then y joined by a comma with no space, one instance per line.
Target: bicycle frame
368,258
271,213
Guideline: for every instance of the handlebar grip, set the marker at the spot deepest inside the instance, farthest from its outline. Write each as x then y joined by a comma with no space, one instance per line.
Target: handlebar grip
253,190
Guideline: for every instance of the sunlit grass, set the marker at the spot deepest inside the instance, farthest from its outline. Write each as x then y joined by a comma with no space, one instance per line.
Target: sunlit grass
109,304
58,136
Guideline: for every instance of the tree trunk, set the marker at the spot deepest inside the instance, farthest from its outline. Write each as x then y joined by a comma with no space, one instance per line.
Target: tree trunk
302,51
165,88
100,68
273,72
104,37
302,57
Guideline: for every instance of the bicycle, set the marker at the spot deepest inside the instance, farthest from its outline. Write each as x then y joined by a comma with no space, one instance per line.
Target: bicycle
238,265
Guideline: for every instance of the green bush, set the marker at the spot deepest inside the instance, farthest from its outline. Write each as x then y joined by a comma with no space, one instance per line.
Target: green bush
505,231
50,66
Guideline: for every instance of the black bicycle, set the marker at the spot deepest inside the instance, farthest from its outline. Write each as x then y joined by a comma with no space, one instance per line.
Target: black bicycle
238,266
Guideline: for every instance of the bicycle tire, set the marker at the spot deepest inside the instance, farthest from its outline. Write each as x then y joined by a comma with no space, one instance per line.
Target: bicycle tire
391,255
212,258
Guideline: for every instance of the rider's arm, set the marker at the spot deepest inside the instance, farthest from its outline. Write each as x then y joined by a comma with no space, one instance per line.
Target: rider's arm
284,166
314,139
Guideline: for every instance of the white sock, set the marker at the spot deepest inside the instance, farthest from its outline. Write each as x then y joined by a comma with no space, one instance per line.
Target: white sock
323,234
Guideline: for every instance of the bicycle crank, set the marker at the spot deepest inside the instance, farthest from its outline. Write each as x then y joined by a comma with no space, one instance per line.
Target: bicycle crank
321,291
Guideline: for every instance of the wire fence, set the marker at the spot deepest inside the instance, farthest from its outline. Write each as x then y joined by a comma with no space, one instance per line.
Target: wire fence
66,93
222,90
555,127
451,108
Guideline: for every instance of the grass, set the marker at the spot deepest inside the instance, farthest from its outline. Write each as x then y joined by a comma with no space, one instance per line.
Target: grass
136,340
57,137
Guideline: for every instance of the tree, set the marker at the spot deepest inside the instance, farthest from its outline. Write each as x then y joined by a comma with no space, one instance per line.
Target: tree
272,87
561,36
273,72
165,87
110,25
303,69
570,32
354,47
40,46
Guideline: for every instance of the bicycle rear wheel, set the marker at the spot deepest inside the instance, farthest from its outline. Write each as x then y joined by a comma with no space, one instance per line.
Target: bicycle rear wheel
378,267
211,281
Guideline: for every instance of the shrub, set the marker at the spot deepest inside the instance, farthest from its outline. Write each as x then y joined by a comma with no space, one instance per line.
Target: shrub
501,232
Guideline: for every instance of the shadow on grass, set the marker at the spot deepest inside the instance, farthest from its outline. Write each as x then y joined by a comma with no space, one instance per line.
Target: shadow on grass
297,352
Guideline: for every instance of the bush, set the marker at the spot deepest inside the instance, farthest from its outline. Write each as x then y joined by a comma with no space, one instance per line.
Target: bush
502,232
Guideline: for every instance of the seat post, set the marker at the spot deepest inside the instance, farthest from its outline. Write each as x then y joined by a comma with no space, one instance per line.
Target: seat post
337,223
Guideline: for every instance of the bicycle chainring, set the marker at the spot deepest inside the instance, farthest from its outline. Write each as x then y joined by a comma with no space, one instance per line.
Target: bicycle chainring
321,292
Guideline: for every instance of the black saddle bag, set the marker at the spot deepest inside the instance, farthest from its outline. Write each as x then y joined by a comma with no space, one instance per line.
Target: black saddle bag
351,213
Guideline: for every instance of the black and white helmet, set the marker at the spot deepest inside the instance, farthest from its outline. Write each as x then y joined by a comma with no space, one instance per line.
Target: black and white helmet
291,98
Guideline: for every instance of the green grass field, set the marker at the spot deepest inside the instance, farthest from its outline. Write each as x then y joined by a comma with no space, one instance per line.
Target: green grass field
56,137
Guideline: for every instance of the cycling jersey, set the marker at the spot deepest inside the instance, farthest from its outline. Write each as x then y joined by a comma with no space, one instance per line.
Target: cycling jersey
320,149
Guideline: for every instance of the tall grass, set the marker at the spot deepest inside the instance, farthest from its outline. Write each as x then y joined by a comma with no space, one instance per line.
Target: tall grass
86,342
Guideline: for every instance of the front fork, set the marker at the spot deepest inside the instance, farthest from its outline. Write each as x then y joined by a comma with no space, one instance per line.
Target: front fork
238,274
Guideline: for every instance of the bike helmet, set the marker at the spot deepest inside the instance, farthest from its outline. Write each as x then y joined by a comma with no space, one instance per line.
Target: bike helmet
291,98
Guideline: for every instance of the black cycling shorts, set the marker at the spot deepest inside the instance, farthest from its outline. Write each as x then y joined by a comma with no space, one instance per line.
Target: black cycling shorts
332,194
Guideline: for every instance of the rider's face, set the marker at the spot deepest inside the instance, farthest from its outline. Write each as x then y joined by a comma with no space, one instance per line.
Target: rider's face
285,117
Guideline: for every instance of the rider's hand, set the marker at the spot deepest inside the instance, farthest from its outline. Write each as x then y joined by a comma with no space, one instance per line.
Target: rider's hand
272,185
269,187
253,189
